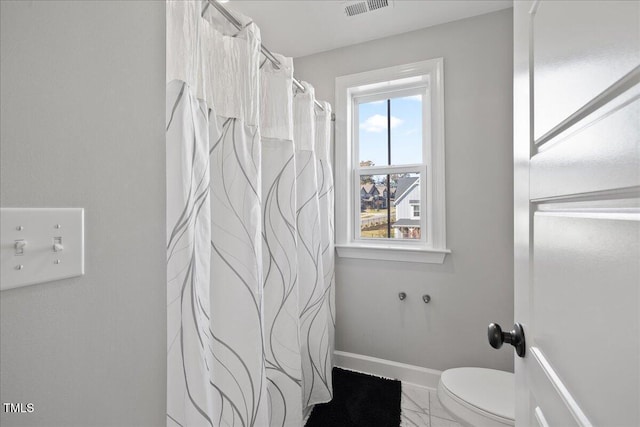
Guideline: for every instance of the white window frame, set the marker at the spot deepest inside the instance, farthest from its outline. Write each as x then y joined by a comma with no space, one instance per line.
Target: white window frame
425,77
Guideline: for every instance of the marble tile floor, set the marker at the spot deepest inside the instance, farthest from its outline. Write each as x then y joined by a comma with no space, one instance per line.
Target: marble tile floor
421,408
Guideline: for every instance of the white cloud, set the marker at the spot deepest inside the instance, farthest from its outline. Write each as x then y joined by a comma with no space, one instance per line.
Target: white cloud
378,123
415,97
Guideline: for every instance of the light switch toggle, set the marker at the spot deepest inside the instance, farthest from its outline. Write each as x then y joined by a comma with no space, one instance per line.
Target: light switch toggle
57,244
19,246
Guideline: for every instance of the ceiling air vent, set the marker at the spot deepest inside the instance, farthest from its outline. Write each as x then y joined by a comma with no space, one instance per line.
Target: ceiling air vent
377,4
360,7
356,8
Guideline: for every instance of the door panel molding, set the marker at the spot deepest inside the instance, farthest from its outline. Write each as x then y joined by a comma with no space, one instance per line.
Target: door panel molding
609,195
540,418
570,404
633,215
600,152
585,299
617,89
580,50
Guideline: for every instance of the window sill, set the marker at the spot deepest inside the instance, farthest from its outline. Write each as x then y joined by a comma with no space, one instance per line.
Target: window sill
393,253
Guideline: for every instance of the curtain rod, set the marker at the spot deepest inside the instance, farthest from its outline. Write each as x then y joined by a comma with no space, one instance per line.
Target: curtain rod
266,52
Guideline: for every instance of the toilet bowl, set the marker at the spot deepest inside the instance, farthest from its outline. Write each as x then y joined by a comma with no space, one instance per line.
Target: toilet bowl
478,397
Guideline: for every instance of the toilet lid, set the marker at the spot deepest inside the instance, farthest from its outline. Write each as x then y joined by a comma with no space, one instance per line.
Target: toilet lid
487,389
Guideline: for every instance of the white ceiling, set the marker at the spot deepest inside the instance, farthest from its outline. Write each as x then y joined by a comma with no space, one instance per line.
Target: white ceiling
303,27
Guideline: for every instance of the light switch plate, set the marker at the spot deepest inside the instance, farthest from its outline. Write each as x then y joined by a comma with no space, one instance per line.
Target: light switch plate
27,239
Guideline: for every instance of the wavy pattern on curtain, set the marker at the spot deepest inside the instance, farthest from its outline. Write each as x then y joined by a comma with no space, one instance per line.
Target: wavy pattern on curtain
249,247
189,398
238,371
236,267
326,205
315,329
280,257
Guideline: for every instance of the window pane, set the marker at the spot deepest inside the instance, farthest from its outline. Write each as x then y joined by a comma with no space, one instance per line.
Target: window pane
406,130
390,215
375,212
407,203
372,139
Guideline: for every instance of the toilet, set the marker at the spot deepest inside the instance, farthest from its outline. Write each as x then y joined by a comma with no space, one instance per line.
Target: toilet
478,397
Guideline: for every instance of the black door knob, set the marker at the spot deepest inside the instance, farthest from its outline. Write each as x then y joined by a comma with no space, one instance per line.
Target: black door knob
515,337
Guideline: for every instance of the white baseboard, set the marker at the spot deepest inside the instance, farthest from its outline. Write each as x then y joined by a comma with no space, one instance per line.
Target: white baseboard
386,368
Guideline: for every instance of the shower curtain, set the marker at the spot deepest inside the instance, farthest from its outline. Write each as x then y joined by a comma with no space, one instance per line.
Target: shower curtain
250,313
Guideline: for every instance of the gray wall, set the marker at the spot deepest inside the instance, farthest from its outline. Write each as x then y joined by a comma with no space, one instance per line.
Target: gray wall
475,284
82,117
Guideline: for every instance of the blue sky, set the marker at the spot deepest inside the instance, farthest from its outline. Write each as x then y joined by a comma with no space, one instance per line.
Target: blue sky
406,131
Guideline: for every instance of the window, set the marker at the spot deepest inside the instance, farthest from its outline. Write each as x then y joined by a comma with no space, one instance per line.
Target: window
389,138
390,164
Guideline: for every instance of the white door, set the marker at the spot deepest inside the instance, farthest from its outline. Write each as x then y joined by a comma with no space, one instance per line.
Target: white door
577,211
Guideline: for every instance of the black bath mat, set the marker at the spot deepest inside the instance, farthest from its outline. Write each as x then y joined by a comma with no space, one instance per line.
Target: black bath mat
359,400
